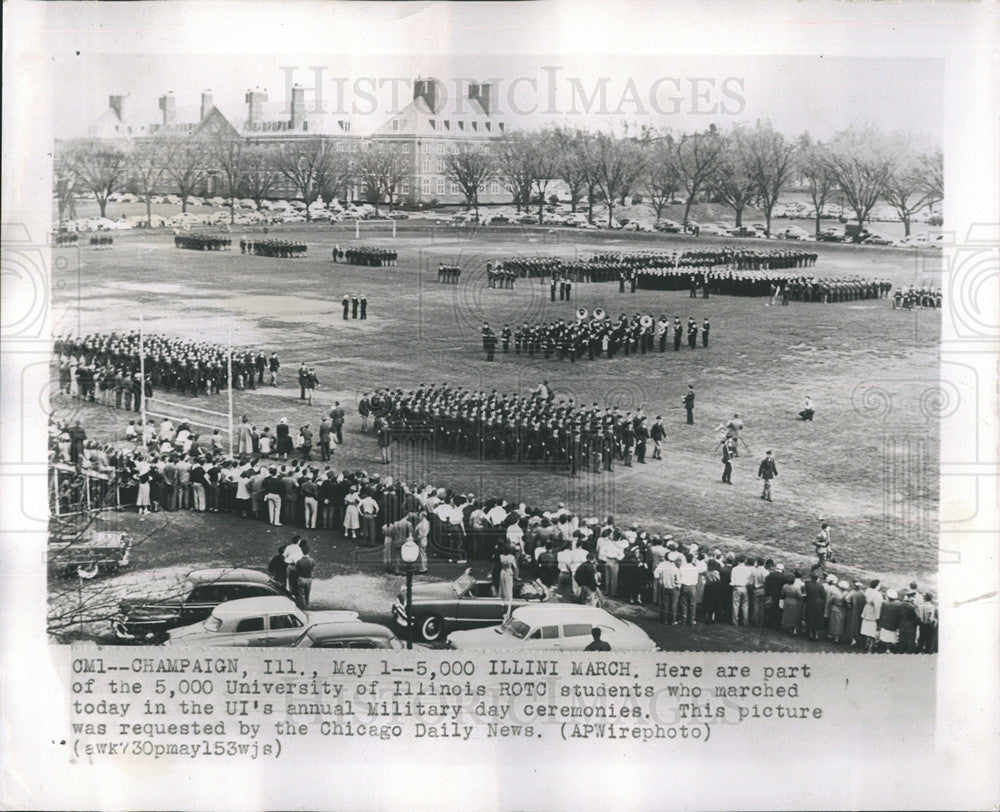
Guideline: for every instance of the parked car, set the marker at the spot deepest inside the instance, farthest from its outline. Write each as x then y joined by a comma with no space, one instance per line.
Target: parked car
269,621
793,233
565,626
638,225
348,634
874,238
464,602
831,235
201,592
713,229
398,215
668,226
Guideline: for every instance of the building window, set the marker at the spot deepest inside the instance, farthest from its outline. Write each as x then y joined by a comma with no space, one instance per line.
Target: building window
432,123
440,186
425,186
500,126
453,188
447,124
405,189
461,125
475,125
487,126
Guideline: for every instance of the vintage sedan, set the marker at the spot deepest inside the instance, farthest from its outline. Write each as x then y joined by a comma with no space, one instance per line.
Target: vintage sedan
274,621
202,590
348,634
461,603
558,626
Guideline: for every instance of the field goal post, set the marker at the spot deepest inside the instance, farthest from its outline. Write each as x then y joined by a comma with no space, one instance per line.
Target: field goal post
161,408
358,222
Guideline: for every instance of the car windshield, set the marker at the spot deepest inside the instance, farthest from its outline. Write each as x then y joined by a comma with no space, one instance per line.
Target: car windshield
463,583
213,623
515,628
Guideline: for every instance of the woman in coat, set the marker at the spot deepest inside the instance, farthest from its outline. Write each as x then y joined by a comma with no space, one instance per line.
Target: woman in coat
713,598
284,439
870,615
815,604
855,606
838,612
791,603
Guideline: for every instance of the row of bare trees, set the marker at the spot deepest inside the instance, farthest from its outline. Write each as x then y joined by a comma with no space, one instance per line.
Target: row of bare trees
745,166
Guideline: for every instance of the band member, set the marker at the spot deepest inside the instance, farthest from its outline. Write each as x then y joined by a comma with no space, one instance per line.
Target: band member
704,332
689,404
657,434
678,334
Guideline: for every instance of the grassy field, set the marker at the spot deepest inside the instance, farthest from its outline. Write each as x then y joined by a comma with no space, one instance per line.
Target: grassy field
868,464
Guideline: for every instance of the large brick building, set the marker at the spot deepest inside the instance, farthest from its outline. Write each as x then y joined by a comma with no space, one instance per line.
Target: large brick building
423,131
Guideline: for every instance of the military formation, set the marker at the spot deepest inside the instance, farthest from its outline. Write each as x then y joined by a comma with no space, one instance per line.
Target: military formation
101,241
498,277
280,249
194,368
537,428
203,242
449,274
66,238
912,298
368,255
773,284
595,335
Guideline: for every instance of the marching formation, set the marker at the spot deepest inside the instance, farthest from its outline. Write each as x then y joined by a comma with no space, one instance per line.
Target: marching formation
537,428
202,242
282,249
764,283
195,368
368,255
595,335
912,298
101,241
449,274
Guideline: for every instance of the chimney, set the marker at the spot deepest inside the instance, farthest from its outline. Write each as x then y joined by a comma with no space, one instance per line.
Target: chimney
255,106
298,107
206,104
169,107
481,94
117,103
427,89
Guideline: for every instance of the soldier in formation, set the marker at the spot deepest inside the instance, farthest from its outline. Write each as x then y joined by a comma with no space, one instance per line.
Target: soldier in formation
370,256
449,274
203,242
281,249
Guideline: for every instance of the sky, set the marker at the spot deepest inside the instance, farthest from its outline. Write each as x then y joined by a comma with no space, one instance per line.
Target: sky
821,95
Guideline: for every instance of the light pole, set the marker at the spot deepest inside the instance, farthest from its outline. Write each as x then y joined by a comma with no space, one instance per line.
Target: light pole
409,552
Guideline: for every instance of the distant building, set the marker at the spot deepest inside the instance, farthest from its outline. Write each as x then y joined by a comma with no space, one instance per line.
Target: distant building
423,131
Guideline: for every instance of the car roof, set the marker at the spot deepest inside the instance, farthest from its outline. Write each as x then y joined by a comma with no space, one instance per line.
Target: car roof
563,612
228,574
270,604
348,628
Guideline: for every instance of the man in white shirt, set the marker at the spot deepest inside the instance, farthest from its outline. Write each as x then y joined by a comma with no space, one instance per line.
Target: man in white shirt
668,575
756,592
496,515
739,579
609,553
689,581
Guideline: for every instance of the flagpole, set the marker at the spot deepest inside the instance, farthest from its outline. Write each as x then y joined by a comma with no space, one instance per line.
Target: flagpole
142,378
229,361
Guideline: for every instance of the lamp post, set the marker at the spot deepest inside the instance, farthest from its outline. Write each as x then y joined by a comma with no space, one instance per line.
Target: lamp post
409,552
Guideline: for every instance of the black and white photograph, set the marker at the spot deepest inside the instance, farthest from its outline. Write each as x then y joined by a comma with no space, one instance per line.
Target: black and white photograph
463,334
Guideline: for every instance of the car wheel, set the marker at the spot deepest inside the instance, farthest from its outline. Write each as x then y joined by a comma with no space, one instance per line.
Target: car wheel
431,628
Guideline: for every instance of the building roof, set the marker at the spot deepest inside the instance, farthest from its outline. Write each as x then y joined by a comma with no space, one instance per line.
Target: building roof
417,119
111,125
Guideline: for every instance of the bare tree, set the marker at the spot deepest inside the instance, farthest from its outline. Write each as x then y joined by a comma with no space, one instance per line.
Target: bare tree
906,188
338,173
65,181
770,160
619,162
542,158
102,169
470,166
861,162
514,170
146,168
696,158
305,163
382,169
733,179
571,166
813,167
932,164
229,159
186,164
659,180
261,173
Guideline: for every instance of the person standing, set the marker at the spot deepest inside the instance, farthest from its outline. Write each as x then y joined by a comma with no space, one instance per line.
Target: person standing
678,334
311,382
808,410
657,434
272,496
739,580
337,419
704,330
325,431
244,437
815,605
304,574
767,471
273,365
346,304
727,464
689,404
303,379
310,502
689,583
363,301
508,572
692,332
355,305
